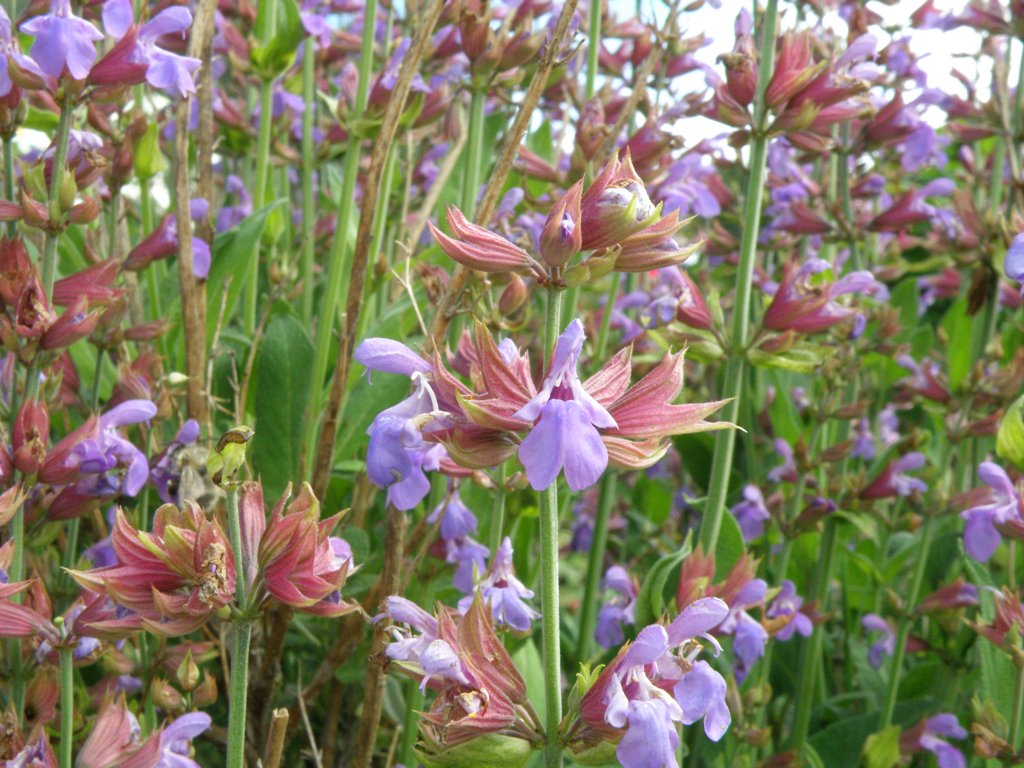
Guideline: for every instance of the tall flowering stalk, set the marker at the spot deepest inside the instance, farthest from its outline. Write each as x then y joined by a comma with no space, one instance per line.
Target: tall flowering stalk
736,367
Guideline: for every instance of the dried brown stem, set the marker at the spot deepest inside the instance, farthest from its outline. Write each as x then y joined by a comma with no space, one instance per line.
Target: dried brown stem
193,290
373,689
607,148
361,254
275,739
450,300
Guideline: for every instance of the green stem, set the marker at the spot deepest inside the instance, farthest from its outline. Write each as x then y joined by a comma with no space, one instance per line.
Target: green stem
235,536
474,152
735,372
550,621
67,705
595,565
812,647
498,508
240,632
56,211
308,159
338,261
9,179
1018,701
905,623
593,47
606,317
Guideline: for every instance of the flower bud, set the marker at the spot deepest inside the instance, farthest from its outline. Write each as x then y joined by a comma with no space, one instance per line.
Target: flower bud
15,270
166,696
513,296
562,237
85,211
67,192
615,206
187,673
205,693
73,325
35,213
229,456
31,435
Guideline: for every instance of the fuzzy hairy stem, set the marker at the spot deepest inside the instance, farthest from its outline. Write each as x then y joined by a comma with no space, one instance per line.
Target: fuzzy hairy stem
595,565
735,372
67,705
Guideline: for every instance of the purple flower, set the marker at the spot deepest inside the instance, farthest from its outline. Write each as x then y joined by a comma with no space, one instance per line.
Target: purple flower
884,645
11,56
457,520
1014,264
567,417
1003,505
407,646
786,471
63,40
504,592
176,738
751,513
398,457
946,725
166,71
788,603
470,559
166,473
617,611
96,458
748,636
637,695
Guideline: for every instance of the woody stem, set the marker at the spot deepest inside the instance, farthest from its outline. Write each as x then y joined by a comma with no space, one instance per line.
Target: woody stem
549,579
735,372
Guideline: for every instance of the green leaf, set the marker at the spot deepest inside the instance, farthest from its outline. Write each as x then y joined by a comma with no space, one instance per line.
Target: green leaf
651,601
882,749
997,671
282,390
1010,438
528,662
958,351
730,546
231,253
276,56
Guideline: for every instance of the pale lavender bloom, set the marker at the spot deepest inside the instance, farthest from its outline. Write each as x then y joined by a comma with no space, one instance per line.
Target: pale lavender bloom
9,52
398,457
96,458
618,610
748,635
884,645
686,189
566,418
863,441
407,646
505,592
470,559
101,554
165,70
903,483
981,537
751,513
1014,263
457,520
176,740
948,726
786,471
232,215
788,603
638,701
63,40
